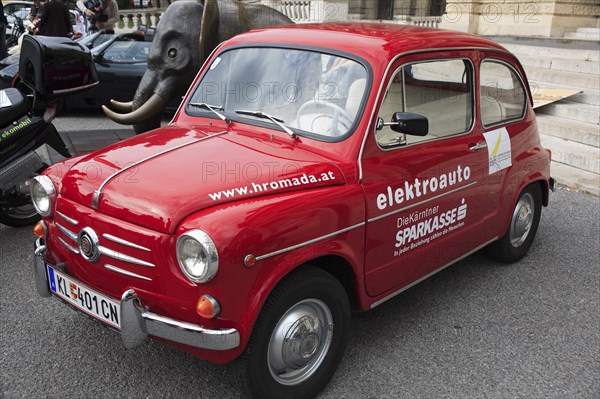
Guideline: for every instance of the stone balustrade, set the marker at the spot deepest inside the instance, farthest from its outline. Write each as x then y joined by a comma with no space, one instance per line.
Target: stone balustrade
424,21
129,19
299,11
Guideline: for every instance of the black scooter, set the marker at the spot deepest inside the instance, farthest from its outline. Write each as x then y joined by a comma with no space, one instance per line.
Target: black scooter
49,69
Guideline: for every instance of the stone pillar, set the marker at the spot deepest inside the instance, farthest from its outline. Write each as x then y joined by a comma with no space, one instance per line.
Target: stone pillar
542,18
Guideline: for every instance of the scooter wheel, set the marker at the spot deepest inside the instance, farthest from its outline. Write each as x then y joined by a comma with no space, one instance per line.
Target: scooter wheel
19,217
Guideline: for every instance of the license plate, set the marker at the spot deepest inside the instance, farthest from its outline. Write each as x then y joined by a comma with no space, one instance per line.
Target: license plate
85,299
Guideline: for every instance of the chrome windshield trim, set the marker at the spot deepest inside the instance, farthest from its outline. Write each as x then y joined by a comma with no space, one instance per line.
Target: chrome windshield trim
393,294
98,193
66,231
122,257
118,240
314,240
68,219
69,247
126,272
420,202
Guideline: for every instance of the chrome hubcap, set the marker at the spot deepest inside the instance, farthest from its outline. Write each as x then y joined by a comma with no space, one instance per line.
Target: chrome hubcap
300,342
522,220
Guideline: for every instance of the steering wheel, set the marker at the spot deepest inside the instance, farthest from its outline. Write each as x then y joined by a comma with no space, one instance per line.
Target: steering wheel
337,113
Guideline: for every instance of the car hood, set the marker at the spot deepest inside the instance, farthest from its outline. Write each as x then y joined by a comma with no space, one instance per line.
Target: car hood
157,179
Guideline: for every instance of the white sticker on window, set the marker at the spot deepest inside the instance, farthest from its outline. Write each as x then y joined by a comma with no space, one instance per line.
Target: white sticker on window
498,144
215,63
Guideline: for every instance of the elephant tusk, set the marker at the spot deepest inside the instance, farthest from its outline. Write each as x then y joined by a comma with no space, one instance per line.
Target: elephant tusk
154,105
122,107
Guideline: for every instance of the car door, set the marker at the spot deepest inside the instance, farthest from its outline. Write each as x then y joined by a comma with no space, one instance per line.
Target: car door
427,197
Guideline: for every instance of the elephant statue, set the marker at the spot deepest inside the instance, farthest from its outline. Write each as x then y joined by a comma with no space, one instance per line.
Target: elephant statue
187,33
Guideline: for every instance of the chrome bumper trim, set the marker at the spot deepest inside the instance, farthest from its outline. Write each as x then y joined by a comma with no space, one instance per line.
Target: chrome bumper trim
39,269
137,322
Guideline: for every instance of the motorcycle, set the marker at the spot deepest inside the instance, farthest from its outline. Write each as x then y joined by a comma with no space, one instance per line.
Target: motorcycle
50,68
18,29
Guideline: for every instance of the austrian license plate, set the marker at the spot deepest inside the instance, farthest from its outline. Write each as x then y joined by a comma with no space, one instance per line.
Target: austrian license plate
85,299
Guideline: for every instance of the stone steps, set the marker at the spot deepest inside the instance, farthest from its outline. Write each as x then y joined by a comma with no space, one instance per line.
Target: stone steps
578,179
592,34
574,131
574,154
574,79
570,128
561,64
580,54
572,110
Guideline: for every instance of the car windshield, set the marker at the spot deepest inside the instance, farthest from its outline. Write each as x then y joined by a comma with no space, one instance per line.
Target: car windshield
127,51
314,94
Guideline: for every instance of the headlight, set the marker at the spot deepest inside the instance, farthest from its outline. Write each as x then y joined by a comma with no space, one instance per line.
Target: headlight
197,256
43,195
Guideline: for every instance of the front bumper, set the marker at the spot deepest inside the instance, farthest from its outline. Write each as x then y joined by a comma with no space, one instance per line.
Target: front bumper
137,322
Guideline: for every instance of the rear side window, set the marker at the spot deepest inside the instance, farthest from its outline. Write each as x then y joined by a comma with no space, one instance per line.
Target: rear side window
503,97
441,90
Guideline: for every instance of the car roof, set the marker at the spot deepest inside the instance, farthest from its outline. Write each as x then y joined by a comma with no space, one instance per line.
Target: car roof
368,40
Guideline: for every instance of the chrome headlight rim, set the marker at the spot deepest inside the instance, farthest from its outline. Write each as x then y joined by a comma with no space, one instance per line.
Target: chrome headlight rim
209,247
50,191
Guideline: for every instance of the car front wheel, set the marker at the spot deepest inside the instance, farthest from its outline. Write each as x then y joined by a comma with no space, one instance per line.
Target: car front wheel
299,338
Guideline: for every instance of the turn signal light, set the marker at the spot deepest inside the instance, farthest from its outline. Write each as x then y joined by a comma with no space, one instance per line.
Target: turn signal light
208,307
39,230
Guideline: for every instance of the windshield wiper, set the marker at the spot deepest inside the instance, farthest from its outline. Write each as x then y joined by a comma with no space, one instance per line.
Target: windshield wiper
272,118
214,109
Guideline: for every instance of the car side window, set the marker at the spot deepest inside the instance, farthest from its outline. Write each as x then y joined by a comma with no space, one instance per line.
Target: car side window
502,94
440,90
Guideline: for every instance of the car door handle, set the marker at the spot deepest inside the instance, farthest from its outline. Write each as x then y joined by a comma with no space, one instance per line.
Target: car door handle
479,146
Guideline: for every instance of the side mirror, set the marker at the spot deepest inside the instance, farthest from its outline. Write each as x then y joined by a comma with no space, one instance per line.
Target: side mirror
406,122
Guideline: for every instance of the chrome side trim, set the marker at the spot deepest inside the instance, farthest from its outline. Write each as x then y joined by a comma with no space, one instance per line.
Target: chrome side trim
66,231
118,240
293,247
69,247
393,294
68,219
420,202
125,272
125,258
98,193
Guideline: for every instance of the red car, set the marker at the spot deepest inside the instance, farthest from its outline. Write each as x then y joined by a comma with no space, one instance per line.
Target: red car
309,171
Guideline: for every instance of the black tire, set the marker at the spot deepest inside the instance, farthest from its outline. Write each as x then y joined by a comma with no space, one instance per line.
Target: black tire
524,222
20,218
311,293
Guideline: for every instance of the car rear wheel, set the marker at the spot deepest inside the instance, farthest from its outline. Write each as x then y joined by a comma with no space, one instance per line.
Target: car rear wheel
299,338
524,222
